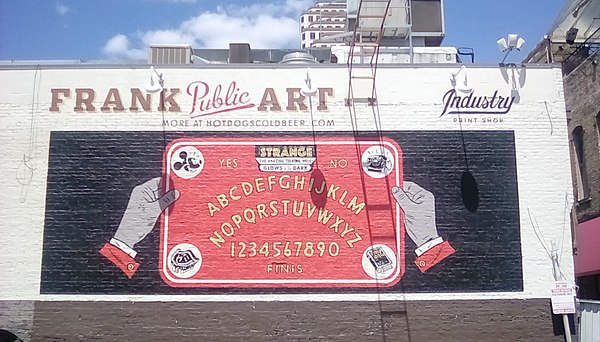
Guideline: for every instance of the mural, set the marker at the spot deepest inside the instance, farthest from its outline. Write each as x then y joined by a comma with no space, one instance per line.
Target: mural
190,212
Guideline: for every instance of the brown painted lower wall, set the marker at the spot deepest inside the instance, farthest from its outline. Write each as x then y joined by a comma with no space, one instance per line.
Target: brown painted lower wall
492,320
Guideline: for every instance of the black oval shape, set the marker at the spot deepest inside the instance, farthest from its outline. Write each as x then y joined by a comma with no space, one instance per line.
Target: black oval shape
319,183
7,336
469,191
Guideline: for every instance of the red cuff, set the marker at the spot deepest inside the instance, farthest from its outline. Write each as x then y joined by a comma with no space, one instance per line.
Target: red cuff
121,259
434,255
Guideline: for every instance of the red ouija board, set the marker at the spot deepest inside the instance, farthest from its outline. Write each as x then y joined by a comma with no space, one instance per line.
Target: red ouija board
285,212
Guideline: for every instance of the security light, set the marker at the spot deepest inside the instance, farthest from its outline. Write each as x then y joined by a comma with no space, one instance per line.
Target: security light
514,42
502,44
154,86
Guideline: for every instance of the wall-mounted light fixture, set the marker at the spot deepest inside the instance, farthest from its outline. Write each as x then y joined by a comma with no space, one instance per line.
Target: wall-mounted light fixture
154,86
469,189
460,81
514,42
571,35
308,89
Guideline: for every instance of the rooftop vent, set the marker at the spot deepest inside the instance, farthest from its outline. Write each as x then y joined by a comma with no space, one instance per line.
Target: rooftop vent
298,57
170,54
239,53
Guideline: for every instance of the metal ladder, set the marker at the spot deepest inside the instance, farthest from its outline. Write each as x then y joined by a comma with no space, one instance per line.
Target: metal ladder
369,31
365,43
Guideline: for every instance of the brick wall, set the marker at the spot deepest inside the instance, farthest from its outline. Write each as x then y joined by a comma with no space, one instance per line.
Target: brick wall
582,97
492,320
72,156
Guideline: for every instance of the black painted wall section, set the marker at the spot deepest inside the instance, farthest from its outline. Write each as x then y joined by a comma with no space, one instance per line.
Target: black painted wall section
91,175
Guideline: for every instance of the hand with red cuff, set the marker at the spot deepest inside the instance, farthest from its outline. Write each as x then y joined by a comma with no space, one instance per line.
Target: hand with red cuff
418,205
146,203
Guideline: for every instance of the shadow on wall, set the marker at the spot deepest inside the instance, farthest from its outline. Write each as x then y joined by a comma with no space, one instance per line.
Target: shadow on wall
514,76
7,336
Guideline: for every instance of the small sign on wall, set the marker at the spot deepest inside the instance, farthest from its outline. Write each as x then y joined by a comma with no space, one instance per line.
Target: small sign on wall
563,298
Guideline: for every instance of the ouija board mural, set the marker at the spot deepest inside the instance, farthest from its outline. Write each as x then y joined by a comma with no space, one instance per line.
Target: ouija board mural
224,212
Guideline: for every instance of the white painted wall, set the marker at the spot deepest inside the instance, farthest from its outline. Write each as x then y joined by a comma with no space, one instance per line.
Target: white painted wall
410,98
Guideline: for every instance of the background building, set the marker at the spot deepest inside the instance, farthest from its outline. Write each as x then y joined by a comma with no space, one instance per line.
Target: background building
331,23
573,42
322,20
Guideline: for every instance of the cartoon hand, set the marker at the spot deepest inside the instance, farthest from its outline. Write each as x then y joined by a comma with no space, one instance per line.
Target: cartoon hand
419,212
144,207
418,205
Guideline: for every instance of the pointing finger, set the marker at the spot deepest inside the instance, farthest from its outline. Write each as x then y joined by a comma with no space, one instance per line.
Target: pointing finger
169,198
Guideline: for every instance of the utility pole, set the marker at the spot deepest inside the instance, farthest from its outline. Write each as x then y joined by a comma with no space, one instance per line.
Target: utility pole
557,277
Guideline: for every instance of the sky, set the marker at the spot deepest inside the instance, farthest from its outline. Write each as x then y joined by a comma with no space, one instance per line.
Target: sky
122,29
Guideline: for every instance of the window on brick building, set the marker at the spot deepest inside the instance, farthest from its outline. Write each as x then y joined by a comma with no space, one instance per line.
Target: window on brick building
580,169
310,18
303,36
312,35
302,19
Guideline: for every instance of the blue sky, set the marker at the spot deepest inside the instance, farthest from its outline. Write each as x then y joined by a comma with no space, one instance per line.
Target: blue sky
103,29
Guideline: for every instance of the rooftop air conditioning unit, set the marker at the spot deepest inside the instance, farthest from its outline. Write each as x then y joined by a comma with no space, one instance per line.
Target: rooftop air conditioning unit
240,53
298,57
170,54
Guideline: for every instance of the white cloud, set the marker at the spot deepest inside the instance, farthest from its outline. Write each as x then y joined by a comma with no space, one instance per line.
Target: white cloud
263,25
287,8
167,37
61,9
118,47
